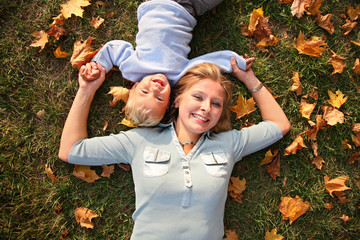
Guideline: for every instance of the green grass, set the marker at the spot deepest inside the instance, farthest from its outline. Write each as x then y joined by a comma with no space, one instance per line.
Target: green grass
29,84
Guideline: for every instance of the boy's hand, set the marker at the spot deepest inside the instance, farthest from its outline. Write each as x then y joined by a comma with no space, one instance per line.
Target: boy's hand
249,61
91,72
247,77
94,83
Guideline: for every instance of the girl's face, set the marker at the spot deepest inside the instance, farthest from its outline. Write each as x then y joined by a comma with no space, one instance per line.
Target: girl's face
200,107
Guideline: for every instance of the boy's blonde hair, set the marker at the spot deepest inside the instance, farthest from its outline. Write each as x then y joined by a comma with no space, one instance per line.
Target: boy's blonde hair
196,74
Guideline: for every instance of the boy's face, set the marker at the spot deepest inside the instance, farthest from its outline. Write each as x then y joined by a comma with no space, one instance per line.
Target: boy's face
153,92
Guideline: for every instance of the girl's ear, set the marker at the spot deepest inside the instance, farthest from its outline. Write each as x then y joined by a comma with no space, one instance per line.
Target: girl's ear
176,101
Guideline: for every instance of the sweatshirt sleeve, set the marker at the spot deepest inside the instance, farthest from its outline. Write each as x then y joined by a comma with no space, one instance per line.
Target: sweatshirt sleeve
113,53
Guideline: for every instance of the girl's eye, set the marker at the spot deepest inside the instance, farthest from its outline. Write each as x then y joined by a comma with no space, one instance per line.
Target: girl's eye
197,97
217,104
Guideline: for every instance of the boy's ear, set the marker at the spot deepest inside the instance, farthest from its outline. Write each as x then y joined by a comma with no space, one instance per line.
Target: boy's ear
134,86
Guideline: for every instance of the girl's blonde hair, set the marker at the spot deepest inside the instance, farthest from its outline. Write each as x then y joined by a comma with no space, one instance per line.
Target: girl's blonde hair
199,73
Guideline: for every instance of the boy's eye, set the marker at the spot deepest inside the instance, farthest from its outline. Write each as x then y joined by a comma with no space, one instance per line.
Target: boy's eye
144,91
159,98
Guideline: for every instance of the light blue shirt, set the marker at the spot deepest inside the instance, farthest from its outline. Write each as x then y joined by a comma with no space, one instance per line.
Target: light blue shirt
178,196
162,45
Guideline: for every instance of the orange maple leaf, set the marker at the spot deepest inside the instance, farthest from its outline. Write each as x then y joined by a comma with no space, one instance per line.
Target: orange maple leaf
85,173
296,87
74,7
84,215
236,187
320,124
354,157
332,116
312,7
273,235
60,54
318,161
353,13
298,8
83,52
41,38
337,62
336,99
348,27
243,107
306,108
324,22
231,235
297,144
336,184
311,47
96,22
356,67
292,208
274,167
118,93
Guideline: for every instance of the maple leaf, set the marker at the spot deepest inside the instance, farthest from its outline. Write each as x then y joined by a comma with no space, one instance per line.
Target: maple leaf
356,138
336,184
124,166
60,54
345,145
85,173
118,93
127,123
337,99
344,218
312,7
318,161
356,67
96,22
348,27
236,187
314,146
273,235
313,94
320,124
353,13
107,170
231,235
269,157
41,38
296,87
341,197
50,174
74,7
243,107
332,116
298,8
59,20
337,62
354,157
83,52
329,206
292,208
274,168
297,144
311,47
324,22
84,215
306,108
254,18
56,31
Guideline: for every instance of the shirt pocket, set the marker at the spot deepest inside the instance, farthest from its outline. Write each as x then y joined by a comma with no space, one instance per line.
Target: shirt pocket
216,163
156,162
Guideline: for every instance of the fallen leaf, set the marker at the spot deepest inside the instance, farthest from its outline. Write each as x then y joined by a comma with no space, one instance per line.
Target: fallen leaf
118,93
356,43
40,113
318,161
297,144
274,168
356,67
41,38
314,146
336,184
320,124
273,235
269,157
341,197
329,206
58,209
236,187
83,216
353,13
127,123
344,218
332,116
348,27
74,7
231,235
60,54
298,8
50,174
337,99
56,31
337,62
357,183
356,139
354,157
83,52
64,234
85,173
324,22
313,94
311,47
107,170
296,87
345,145
59,20
306,108
96,22
106,123
292,208
312,7
243,107
125,166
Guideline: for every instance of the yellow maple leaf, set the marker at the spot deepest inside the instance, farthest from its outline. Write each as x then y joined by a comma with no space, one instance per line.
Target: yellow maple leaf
236,187
337,62
74,7
336,99
83,216
41,38
269,156
85,173
296,87
311,47
292,208
118,93
127,123
273,235
312,7
336,184
51,175
60,54
243,107
306,108
96,22
332,116
274,168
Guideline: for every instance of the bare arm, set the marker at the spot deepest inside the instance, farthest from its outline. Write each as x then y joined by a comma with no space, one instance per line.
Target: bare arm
75,127
269,108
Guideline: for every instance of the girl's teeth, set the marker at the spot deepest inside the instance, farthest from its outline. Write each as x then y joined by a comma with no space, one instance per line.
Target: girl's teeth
201,118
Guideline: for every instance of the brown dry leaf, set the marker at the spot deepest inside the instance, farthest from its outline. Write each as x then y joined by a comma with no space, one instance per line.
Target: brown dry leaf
341,197
56,31
329,206
84,215
356,43
106,123
269,156
107,170
273,235
312,7
60,54
74,7
296,87
318,161
311,47
118,93
354,157
345,145
353,13
297,144
314,146
50,174
274,167
332,116
357,183
96,22
125,166
324,22
231,235
298,8
286,1
314,94
58,209
292,208
344,218
254,18
243,107
306,108
356,138
41,38
356,67
348,27
59,20
64,234
85,173
337,62
83,52
336,184
337,99
127,123
236,187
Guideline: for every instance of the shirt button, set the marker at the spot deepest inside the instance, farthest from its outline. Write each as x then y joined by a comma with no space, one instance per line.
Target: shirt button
186,172
187,181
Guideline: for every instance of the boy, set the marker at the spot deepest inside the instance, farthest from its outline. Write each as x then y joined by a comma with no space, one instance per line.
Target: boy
162,46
